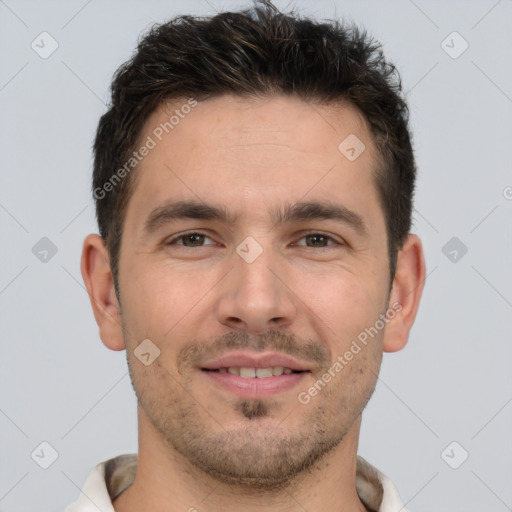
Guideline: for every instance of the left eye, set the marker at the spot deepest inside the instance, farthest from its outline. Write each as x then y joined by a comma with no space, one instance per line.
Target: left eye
190,240
317,240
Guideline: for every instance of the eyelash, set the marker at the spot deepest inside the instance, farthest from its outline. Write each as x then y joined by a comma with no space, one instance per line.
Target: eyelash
313,233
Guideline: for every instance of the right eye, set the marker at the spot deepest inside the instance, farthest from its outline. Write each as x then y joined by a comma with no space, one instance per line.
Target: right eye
192,239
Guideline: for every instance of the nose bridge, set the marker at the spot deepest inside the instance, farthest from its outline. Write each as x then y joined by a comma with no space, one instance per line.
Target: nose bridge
256,280
253,296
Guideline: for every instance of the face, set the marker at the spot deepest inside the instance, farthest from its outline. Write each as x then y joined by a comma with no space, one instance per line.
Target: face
250,234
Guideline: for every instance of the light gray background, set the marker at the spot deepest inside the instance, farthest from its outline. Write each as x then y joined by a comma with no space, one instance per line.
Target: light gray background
453,380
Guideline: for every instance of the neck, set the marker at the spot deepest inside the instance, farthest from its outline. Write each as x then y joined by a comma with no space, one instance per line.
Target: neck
166,482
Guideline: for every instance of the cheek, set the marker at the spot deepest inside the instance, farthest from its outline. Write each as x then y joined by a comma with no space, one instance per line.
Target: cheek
150,301
161,301
341,306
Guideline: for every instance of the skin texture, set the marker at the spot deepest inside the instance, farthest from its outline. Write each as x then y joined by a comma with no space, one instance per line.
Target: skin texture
310,297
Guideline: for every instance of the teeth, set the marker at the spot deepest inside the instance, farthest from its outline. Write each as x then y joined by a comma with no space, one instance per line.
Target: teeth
247,373
261,373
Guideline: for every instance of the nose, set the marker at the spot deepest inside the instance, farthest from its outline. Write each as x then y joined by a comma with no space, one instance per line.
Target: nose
256,296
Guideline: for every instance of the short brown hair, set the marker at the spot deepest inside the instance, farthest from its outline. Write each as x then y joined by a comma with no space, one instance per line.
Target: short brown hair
256,52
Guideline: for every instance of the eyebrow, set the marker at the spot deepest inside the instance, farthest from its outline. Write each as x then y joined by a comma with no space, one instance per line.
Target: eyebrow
315,210
298,212
176,210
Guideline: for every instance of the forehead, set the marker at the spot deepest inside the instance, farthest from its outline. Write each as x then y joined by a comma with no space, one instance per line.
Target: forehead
228,121
251,153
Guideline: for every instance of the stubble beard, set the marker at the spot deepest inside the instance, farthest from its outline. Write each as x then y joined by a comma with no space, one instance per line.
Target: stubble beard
256,454
265,448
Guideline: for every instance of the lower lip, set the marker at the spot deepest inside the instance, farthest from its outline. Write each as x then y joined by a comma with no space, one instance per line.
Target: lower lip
255,387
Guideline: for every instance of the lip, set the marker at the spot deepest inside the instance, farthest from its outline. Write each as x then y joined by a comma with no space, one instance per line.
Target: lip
255,360
255,387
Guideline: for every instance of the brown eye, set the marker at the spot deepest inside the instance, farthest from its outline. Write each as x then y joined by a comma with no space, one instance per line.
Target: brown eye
316,240
190,240
193,240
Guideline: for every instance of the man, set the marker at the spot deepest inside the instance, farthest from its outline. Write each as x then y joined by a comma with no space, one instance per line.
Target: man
253,180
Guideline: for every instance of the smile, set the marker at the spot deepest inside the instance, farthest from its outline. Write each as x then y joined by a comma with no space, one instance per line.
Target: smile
260,373
255,383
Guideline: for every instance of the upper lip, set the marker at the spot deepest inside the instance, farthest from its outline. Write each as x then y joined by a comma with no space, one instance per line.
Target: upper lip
251,360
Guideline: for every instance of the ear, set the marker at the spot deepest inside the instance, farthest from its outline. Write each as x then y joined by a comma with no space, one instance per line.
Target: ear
99,282
405,294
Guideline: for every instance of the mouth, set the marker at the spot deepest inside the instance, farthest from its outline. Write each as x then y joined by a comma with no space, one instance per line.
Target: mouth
255,375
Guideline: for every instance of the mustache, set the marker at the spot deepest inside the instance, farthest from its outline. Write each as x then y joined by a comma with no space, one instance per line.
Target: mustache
195,353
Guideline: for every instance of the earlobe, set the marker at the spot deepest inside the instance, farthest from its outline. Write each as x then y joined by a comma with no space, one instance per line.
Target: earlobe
98,279
405,294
